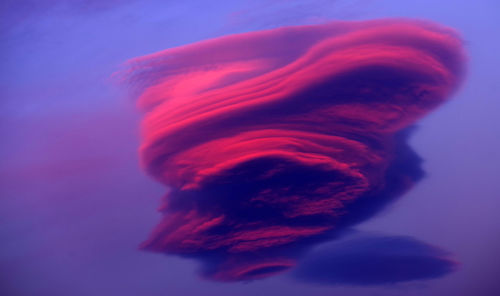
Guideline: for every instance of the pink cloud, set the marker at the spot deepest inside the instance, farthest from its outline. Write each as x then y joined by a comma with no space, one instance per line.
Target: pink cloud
270,139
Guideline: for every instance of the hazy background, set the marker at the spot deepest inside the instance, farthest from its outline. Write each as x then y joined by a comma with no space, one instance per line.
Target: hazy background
74,203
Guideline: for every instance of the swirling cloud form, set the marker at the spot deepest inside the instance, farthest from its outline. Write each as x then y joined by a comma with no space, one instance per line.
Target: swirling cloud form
270,141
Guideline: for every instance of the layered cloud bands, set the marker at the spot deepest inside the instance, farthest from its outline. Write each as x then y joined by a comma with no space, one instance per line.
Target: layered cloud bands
271,140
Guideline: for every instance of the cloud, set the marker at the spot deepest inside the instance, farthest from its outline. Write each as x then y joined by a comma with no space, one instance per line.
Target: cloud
272,141
374,260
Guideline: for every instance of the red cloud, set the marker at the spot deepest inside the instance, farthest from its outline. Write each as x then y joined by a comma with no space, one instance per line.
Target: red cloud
271,139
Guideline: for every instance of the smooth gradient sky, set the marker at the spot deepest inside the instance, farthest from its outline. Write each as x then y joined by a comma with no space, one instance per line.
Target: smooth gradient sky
74,203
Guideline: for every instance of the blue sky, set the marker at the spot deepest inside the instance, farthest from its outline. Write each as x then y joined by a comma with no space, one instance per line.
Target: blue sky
67,229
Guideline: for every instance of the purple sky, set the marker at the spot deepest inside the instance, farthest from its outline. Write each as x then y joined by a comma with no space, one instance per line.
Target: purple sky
74,203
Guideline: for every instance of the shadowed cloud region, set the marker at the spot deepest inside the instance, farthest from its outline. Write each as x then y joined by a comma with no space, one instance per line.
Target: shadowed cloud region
374,260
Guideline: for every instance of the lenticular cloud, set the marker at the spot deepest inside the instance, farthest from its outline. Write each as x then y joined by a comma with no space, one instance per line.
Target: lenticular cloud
271,141
370,259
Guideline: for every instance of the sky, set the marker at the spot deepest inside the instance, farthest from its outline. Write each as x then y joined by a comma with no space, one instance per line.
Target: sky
75,203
